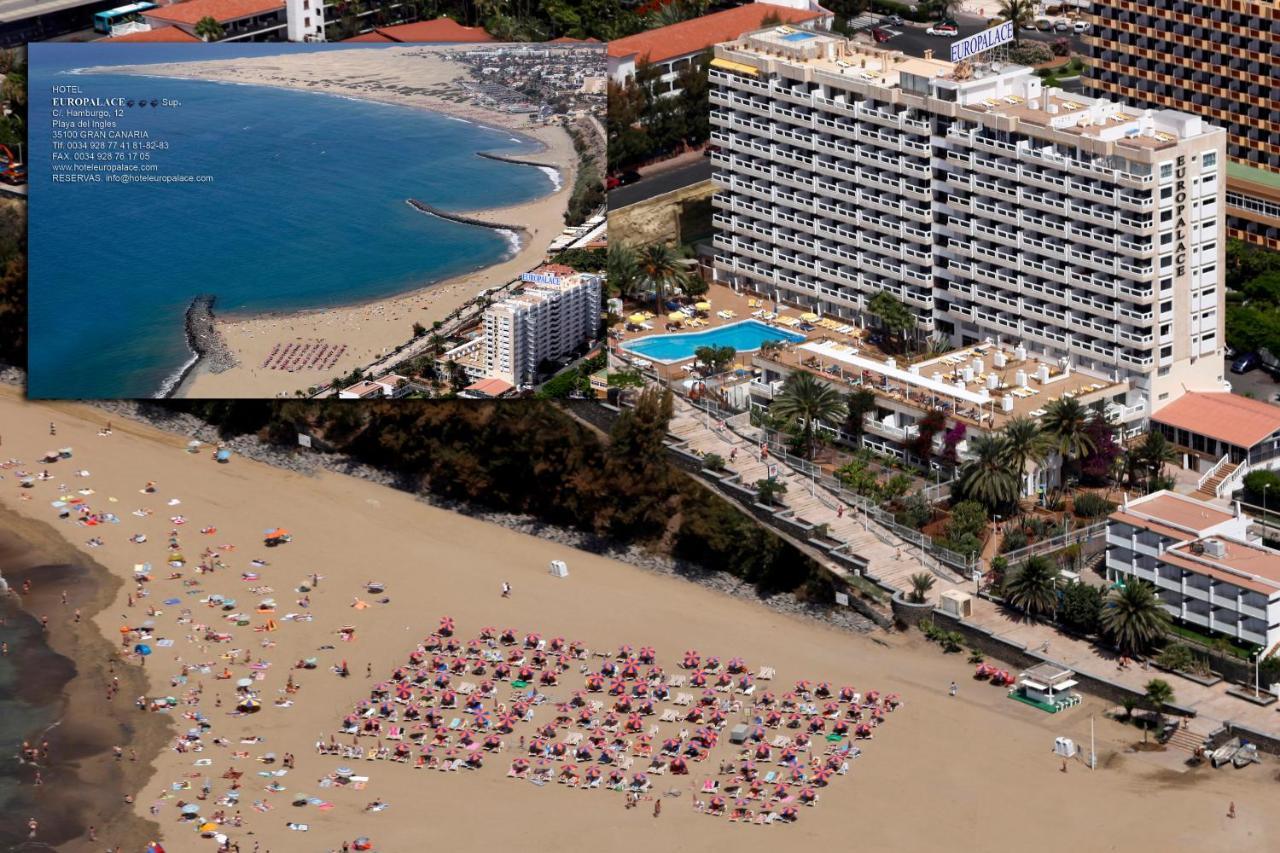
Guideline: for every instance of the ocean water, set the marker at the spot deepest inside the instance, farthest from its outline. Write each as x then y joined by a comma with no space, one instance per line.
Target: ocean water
306,210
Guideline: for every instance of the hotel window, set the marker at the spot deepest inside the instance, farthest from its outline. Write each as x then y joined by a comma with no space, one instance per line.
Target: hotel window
1166,170
1210,159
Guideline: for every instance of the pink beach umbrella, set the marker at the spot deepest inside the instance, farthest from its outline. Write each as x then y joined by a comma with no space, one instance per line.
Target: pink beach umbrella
797,774
556,644
846,693
762,752
639,689
488,632
623,705
482,720
724,679
801,740
822,777
737,665
823,690
492,742
532,640
583,753
608,668
441,679
508,635
671,744
507,723
595,682
745,682
679,766
758,733
631,669
691,660
808,795
773,718
624,651
802,686
841,727
647,654
639,779
525,673
446,626
634,723
585,716
767,698
698,679
501,671
713,663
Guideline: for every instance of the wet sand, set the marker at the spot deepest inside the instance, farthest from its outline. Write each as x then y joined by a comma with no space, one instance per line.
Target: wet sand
975,770
66,671
408,76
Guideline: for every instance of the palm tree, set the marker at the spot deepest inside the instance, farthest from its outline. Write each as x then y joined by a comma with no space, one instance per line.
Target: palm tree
1065,421
857,405
805,399
896,318
661,268
622,270
1024,443
921,583
1020,12
1159,694
1033,588
1153,454
209,29
988,476
1133,617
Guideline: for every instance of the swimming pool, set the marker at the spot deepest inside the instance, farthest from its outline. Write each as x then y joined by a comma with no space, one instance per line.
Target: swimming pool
798,36
745,336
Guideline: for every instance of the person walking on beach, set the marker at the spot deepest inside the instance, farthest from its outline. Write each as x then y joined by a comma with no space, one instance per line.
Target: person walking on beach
1231,810
53,430
506,590
953,689
657,808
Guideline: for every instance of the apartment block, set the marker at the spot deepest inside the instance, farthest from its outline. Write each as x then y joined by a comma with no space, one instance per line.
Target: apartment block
1219,59
554,312
1085,232
1206,571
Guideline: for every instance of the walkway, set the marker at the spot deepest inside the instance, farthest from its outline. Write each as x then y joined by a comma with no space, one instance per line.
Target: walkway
894,565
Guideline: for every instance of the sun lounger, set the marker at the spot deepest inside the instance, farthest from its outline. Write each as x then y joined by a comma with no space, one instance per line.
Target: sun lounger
683,699
676,681
766,673
670,716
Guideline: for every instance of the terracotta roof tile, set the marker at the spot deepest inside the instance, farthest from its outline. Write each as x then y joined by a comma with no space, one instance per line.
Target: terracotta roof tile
1231,418
427,32
192,11
166,34
698,34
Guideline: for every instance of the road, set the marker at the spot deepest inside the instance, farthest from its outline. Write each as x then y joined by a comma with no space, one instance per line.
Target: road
1256,382
661,182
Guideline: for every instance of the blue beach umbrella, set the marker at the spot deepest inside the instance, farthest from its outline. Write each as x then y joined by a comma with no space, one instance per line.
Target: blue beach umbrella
142,649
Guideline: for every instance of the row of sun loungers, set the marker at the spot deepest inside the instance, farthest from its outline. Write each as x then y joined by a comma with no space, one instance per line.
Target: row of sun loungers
292,357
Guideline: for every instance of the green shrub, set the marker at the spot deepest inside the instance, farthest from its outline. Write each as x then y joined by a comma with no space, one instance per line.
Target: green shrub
1093,505
713,462
1029,53
1013,540
1256,481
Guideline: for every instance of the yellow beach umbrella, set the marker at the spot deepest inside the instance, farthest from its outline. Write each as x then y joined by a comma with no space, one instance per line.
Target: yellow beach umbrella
636,319
809,317
703,306
675,317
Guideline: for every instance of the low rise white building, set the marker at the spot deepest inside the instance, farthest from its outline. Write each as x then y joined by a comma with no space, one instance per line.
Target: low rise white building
1206,571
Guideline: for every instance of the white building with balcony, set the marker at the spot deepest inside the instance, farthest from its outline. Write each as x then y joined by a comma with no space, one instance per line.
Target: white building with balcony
1205,570
997,209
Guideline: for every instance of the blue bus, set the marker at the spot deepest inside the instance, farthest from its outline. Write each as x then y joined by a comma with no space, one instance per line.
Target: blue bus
104,21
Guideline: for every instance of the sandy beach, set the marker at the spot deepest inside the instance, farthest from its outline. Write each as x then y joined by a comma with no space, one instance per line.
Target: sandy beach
975,769
420,77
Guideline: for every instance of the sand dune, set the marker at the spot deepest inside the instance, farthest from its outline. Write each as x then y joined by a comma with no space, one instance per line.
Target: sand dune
974,770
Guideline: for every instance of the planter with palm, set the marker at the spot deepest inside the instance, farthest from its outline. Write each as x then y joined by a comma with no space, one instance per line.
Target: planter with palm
662,269
208,29
1024,443
1133,617
804,401
987,476
1153,454
857,405
1066,422
1033,587
921,583
1020,12
1158,694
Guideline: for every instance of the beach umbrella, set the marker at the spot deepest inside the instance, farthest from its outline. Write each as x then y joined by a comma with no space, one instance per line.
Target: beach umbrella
712,664
790,813
758,733
623,704
766,698
822,776
631,669
507,723
717,801
640,779
191,809
482,720
640,689
797,774
873,696
617,686
142,649
508,635
647,654
636,319
698,679
809,317
807,795
679,766
608,668
846,693
802,686
737,665
675,317
702,306
442,679
841,727
691,660
594,772
594,682
823,690
531,640
245,682
487,632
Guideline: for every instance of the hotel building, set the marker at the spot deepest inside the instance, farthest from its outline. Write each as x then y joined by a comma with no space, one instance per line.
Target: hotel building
1079,232
1217,59
1206,571
552,313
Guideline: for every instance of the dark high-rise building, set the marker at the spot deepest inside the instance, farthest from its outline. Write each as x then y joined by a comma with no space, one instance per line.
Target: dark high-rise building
1217,58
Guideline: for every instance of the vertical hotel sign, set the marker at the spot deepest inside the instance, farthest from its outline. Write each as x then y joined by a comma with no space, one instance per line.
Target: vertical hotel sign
1180,215
983,41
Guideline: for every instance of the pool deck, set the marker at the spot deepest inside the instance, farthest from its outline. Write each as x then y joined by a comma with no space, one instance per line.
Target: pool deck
722,298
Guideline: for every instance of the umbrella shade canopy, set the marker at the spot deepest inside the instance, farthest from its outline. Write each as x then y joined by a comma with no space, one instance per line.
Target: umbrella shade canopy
703,306
245,682
191,808
636,319
675,317
277,533
142,649
808,316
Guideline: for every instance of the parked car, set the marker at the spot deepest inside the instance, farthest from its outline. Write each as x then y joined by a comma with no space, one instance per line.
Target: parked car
881,35
946,30
1044,25
1062,26
891,21
1080,27
612,182
1245,363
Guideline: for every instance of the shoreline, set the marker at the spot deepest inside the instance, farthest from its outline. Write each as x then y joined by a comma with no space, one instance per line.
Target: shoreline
369,329
82,784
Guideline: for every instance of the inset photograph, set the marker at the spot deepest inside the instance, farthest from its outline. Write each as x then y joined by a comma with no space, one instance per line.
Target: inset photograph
289,220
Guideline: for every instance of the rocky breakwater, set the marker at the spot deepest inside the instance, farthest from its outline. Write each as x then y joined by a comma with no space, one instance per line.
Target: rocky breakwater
205,341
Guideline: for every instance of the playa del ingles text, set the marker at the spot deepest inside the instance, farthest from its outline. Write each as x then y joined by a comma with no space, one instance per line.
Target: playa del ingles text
95,138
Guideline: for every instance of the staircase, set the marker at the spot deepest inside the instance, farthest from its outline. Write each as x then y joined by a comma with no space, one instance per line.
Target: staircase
1186,740
1208,489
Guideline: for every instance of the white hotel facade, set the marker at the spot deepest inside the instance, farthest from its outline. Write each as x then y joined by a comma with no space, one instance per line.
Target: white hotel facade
995,208
552,316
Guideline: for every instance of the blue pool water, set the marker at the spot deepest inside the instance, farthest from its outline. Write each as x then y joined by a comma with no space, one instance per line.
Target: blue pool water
797,36
746,336
306,210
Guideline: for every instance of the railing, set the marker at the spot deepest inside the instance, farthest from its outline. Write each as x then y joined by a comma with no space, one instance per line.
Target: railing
1229,481
1208,475
1094,531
